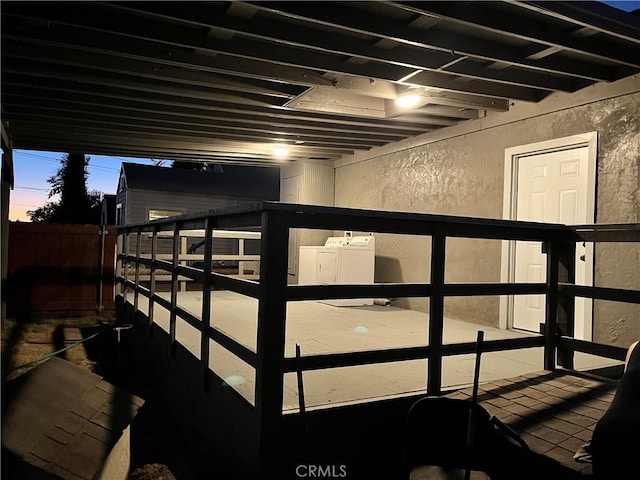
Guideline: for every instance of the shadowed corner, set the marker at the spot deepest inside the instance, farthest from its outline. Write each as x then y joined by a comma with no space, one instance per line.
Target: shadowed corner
61,420
159,447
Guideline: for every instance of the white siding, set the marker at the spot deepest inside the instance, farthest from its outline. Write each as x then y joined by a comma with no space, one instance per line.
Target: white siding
139,202
316,187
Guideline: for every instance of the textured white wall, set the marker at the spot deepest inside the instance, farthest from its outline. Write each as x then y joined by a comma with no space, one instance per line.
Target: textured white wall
460,172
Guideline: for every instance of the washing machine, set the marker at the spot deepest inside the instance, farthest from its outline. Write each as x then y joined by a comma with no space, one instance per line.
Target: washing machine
340,261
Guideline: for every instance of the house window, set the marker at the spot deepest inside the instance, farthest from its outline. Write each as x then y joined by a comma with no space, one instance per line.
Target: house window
157,214
122,183
119,218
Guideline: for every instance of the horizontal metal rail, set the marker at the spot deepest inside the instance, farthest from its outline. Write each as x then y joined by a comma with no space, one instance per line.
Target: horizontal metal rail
600,293
320,217
397,290
276,220
242,352
229,282
619,232
350,359
598,349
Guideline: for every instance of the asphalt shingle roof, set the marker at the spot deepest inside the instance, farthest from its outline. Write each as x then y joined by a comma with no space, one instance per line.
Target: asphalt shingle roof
63,420
237,181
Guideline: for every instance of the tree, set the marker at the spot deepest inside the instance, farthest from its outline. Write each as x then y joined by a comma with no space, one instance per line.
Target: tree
187,165
44,214
76,204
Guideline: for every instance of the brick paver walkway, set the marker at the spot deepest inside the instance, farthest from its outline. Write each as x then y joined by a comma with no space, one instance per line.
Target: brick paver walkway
554,412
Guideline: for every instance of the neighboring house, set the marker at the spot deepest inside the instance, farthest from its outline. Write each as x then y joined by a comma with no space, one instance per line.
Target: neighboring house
147,192
108,213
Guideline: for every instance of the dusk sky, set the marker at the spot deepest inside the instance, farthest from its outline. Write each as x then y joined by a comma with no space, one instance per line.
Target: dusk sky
32,168
626,5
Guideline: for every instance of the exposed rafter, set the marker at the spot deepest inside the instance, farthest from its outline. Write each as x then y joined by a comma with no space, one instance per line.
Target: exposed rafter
225,81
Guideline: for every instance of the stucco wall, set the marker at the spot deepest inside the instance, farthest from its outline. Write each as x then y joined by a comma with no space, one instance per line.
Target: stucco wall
463,174
618,201
458,176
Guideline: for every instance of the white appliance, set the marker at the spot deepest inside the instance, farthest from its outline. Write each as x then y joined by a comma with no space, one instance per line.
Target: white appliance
342,260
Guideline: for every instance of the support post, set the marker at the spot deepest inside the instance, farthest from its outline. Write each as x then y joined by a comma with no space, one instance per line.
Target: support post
206,301
124,264
241,254
551,304
566,303
271,339
152,276
174,289
183,250
137,274
103,238
436,312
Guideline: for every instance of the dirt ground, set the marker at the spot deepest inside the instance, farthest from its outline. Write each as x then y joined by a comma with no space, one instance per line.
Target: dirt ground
159,449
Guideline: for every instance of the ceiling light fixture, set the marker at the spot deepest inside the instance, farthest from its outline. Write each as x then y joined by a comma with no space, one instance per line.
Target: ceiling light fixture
407,100
281,152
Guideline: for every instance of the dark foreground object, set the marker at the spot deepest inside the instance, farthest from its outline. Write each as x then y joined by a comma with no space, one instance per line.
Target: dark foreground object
60,420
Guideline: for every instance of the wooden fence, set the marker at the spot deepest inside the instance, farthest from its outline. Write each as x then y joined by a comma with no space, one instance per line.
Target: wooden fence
55,268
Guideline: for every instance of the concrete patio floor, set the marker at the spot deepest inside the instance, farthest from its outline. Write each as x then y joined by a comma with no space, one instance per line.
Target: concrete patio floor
320,329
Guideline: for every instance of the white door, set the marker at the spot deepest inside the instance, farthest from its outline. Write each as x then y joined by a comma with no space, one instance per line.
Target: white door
552,187
289,193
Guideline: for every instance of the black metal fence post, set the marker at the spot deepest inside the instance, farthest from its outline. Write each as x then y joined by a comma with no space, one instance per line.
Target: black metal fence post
137,271
436,311
551,303
272,311
566,302
152,275
174,289
206,301
125,264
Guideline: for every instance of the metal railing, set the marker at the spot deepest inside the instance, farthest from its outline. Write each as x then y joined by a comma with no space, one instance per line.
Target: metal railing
272,291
